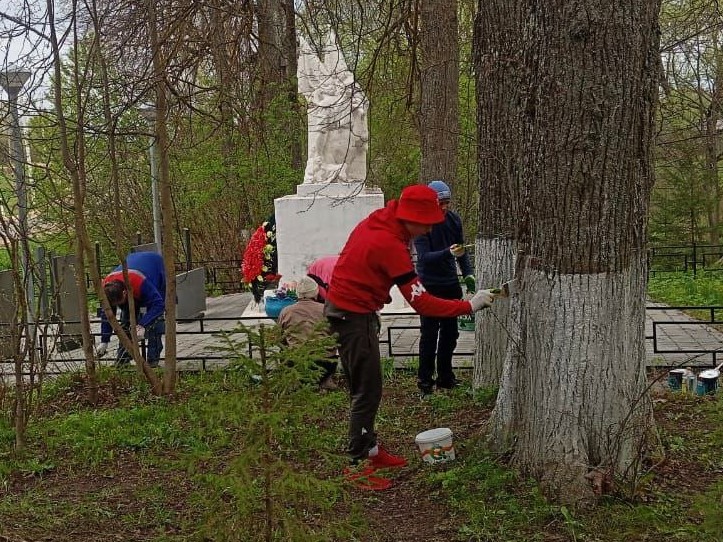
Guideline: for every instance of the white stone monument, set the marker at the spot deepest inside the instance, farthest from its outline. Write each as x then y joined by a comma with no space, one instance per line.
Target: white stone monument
333,199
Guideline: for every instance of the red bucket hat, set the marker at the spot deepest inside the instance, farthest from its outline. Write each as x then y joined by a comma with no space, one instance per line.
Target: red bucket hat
419,203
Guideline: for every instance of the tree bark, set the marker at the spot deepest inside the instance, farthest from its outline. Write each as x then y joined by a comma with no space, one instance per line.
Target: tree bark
75,166
573,392
160,66
439,87
498,61
712,144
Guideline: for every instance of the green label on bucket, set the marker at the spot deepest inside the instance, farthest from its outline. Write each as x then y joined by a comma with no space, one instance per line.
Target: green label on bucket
466,322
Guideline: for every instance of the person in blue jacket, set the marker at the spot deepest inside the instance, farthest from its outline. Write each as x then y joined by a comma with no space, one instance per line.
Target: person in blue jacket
147,279
438,254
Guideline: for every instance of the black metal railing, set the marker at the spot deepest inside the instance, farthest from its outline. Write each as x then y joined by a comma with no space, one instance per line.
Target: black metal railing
208,326
684,258
697,356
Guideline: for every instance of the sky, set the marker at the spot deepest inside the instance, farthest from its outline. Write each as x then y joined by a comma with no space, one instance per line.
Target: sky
22,26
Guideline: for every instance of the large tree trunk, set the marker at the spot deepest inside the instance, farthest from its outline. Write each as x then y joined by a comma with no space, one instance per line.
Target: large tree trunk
439,87
572,401
295,116
498,61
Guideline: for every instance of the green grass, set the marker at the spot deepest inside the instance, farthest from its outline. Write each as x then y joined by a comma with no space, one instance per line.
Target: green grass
706,288
496,502
684,289
499,505
206,441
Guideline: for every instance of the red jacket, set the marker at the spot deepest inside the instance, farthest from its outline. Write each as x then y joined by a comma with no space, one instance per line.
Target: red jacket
376,257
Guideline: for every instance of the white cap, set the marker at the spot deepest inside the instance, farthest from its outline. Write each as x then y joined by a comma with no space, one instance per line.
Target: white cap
307,288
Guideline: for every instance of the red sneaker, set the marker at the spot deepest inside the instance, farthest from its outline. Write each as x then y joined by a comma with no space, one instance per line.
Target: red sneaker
385,460
363,477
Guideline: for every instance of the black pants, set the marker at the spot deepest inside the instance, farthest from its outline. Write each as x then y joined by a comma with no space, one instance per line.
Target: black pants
358,336
438,339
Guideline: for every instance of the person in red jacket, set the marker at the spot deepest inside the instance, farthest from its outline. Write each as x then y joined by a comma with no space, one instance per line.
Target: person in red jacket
375,258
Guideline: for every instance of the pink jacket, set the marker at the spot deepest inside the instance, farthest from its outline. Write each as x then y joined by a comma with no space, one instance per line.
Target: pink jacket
321,270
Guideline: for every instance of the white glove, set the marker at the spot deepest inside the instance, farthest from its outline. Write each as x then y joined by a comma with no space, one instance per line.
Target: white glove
102,350
140,332
481,300
457,250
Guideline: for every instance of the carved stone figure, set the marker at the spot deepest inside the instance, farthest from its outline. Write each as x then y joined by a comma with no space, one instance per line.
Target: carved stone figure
337,116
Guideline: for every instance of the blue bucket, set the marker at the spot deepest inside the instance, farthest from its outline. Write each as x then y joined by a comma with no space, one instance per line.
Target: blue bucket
675,379
708,382
274,305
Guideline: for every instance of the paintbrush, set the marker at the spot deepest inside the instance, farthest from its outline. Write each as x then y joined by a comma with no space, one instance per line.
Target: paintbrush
504,290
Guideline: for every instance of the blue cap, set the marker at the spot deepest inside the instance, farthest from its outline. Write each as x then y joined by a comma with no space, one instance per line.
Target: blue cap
443,191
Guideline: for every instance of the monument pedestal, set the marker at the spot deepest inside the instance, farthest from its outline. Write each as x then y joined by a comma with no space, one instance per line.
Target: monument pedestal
317,221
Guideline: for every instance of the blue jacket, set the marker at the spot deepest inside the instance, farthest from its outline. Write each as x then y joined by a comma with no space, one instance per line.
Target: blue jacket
147,276
435,264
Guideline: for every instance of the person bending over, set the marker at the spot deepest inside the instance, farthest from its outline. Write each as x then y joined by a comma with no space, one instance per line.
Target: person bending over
147,279
300,322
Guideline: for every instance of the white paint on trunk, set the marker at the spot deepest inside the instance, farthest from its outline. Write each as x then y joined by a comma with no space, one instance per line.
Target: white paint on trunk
495,264
573,394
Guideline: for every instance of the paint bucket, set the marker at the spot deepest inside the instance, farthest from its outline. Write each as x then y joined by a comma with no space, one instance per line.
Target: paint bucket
708,382
274,305
675,379
435,445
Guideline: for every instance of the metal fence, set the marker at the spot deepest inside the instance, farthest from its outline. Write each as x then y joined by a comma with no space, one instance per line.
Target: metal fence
208,354
684,258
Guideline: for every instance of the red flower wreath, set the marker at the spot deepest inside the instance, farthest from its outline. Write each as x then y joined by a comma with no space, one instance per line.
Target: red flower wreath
253,260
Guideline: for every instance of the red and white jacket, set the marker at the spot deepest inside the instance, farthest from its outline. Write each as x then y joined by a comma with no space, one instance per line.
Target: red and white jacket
376,257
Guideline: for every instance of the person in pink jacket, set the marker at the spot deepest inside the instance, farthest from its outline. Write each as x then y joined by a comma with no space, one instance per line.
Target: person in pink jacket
321,271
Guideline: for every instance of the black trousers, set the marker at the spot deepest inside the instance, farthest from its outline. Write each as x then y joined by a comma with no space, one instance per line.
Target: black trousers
437,340
358,336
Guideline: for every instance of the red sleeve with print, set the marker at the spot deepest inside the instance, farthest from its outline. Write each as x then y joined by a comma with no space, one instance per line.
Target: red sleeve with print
428,305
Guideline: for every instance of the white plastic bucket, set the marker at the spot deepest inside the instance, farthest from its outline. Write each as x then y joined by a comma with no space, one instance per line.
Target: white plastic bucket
435,445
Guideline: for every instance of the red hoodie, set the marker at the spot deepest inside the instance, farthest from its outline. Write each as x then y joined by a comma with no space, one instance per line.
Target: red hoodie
376,257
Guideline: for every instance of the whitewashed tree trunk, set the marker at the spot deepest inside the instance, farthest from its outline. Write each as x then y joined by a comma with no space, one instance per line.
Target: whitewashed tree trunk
573,393
499,78
572,405
495,264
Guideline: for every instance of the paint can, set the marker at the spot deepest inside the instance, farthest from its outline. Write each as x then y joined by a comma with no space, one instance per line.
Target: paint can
436,445
675,379
708,382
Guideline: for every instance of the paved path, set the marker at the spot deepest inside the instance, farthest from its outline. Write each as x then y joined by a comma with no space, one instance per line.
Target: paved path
198,346
671,332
